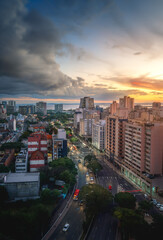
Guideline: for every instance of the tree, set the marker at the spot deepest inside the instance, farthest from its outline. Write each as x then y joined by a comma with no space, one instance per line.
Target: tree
96,198
132,224
145,205
125,200
50,196
94,166
89,157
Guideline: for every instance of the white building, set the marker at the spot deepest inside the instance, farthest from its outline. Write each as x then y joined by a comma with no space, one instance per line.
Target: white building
21,161
98,134
61,134
86,127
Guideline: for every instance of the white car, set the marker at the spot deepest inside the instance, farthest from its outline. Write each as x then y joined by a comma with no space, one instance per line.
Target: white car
161,208
158,205
66,227
91,178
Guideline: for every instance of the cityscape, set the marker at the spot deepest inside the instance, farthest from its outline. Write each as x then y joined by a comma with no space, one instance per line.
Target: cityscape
81,120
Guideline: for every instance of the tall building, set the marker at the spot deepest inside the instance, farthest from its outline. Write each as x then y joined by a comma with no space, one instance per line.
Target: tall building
41,107
12,103
27,109
59,148
114,138
143,152
58,107
98,134
86,127
77,116
10,109
21,161
156,105
113,107
87,103
126,102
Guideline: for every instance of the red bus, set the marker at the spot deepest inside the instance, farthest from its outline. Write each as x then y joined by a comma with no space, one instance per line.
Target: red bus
76,193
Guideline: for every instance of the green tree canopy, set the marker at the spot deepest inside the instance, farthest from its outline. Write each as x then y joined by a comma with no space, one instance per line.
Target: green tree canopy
96,198
50,196
125,200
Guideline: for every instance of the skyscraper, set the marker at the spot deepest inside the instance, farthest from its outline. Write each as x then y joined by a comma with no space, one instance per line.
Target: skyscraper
87,103
58,107
41,107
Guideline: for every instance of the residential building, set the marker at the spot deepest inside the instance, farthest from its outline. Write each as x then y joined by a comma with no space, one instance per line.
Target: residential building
37,161
59,148
87,103
61,134
98,134
12,103
10,109
37,141
12,124
27,109
126,102
86,127
77,116
21,161
21,186
113,107
156,105
143,152
41,107
114,138
58,107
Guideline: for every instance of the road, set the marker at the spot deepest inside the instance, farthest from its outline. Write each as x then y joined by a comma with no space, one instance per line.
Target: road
75,214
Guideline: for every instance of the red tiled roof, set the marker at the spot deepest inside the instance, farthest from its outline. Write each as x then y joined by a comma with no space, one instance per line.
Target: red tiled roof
37,155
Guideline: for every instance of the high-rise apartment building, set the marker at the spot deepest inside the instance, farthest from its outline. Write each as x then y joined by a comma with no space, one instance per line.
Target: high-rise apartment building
113,107
27,109
58,107
156,105
114,138
77,116
98,134
59,148
126,102
12,103
86,127
87,103
41,107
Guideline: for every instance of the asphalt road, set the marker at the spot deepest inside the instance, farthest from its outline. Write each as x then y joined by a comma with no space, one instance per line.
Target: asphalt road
75,214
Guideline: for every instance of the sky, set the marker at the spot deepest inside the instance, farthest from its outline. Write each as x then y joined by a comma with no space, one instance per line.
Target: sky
62,50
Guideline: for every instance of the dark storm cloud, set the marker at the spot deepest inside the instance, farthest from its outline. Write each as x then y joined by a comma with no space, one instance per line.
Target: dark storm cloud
28,45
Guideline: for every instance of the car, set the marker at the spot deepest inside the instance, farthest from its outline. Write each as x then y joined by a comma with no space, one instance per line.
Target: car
87,174
161,209
66,227
110,187
158,205
91,178
79,161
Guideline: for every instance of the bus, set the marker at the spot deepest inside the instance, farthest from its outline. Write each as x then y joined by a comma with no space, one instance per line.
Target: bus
76,193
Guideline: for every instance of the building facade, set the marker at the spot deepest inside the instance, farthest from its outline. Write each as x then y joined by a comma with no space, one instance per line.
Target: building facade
98,135
58,107
41,107
87,103
21,161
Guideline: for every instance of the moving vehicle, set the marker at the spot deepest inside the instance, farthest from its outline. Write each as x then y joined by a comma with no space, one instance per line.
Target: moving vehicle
91,178
66,227
79,161
110,187
76,195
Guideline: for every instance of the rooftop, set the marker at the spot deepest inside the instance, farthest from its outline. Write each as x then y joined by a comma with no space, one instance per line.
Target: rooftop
21,177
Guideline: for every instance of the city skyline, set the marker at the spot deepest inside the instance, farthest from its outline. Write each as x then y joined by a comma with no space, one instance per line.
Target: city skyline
63,50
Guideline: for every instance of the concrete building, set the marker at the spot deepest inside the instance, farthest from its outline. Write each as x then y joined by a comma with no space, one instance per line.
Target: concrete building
143,152
126,102
21,161
12,124
41,107
77,116
113,107
114,138
12,103
37,141
61,134
156,105
27,109
98,135
10,109
87,103
59,148
21,186
58,107
37,161
86,127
